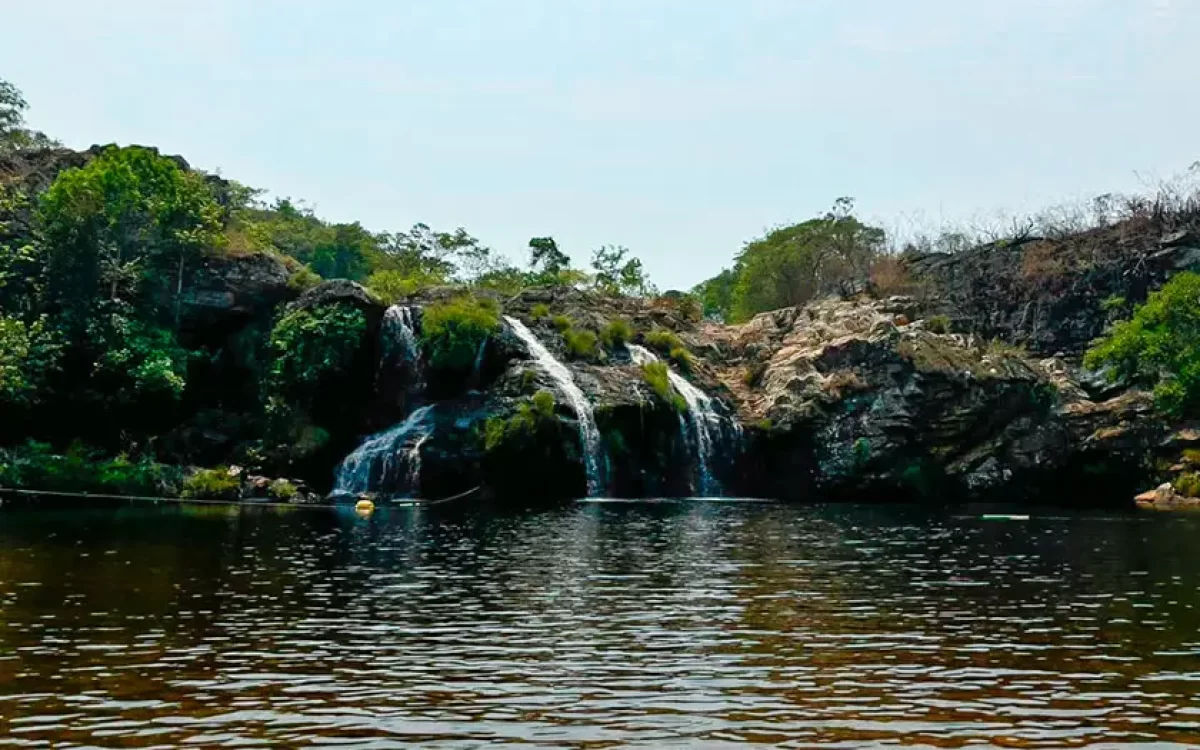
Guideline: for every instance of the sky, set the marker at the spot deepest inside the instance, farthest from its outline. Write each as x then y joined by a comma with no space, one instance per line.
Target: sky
677,128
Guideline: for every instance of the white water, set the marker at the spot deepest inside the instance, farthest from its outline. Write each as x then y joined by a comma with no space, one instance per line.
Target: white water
399,332
589,434
702,419
374,463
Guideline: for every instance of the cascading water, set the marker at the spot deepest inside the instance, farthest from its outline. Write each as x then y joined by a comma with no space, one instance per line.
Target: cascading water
703,421
399,333
589,434
389,461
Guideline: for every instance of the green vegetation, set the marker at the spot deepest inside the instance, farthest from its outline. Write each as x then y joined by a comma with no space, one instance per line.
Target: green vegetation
657,377
683,359
539,311
618,273
616,333
663,340
453,331
792,265
562,323
581,343
1187,484
311,347
212,484
861,452
938,324
1159,346
36,466
529,417
283,490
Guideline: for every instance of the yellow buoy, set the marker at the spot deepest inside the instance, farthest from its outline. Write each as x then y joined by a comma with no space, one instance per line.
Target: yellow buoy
364,507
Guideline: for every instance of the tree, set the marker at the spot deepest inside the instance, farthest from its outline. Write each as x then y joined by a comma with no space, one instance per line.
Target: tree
617,273
125,226
792,265
1159,346
716,294
545,257
13,133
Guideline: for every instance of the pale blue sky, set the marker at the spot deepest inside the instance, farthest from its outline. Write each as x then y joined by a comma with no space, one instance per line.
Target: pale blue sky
677,128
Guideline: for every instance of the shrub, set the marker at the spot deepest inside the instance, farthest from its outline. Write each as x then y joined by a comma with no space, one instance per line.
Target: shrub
938,324
1159,346
617,333
36,466
213,484
1188,484
766,425
528,379
683,359
393,286
539,311
1192,455
861,452
312,345
662,340
303,279
657,376
283,490
528,418
562,323
1113,303
453,331
581,343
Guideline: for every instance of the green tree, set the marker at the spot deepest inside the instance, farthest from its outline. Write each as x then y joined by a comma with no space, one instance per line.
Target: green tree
617,273
125,227
545,258
13,133
716,294
1159,346
792,265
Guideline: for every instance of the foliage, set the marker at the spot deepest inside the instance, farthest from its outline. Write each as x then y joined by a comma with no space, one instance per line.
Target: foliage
1188,484
861,452
794,264
310,346
765,424
1113,303
539,311
581,343
616,333
546,259
394,286
682,359
139,361
562,323
14,135
1159,345
37,466
529,417
618,274
938,324
754,374
303,279
657,376
453,331
663,340
219,483
283,490
127,225
28,353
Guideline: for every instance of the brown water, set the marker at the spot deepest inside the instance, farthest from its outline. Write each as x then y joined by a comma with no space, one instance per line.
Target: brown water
621,625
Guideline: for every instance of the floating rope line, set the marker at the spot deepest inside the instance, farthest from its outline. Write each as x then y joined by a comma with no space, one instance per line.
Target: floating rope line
404,503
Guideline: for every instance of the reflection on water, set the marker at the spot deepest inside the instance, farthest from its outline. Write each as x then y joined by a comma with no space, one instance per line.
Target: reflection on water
616,625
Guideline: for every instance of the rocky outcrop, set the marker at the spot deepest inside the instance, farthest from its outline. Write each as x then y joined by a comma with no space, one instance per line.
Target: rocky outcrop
1056,295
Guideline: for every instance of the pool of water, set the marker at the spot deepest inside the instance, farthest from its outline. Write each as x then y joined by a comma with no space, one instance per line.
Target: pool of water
652,625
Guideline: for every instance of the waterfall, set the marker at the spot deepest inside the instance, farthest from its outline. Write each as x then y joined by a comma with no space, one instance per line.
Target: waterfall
702,421
399,333
392,457
589,434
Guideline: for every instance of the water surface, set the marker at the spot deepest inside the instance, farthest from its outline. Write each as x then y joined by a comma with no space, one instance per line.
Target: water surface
598,625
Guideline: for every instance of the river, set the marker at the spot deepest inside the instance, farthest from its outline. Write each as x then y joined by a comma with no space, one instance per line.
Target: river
690,624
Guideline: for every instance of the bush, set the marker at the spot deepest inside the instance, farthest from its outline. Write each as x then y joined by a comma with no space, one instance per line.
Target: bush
453,331
581,343
617,333
683,359
663,340
539,311
311,346
393,286
303,279
659,380
938,324
1188,484
562,323
36,466
28,353
529,417
283,490
213,484
1159,346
